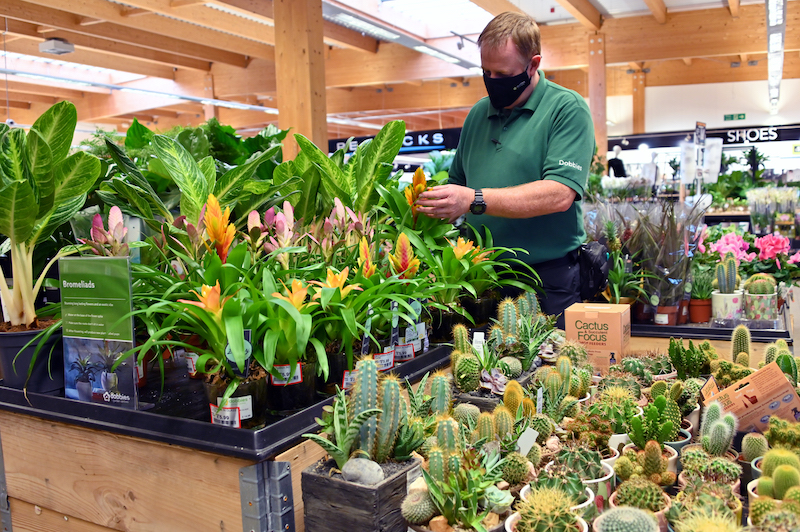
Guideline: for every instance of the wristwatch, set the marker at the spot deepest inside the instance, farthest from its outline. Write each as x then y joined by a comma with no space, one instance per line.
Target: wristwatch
478,206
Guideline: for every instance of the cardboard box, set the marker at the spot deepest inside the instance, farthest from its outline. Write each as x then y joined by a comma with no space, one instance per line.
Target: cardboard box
604,329
756,398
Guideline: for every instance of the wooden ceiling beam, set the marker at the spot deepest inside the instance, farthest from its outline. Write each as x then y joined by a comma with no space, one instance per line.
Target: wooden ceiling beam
658,9
588,16
176,30
18,96
431,95
733,6
84,56
495,7
31,87
11,104
89,21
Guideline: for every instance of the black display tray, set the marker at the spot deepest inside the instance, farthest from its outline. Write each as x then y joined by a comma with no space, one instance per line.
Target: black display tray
157,425
700,332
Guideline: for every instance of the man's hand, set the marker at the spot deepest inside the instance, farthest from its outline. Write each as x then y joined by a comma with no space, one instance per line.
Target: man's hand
446,202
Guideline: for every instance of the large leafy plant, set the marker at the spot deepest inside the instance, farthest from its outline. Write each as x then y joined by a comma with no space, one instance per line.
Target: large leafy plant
42,187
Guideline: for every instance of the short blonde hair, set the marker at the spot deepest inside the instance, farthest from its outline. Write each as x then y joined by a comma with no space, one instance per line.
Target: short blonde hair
519,27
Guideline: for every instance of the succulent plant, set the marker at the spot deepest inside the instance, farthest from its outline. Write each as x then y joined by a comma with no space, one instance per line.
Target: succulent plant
780,520
653,425
461,341
441,400
625,519
510,366
783,433
717,430
616,404
497,500
754,444
776,457
575,351
547,509
729,372
585,462
493,381
621,379
760,283
535,454
743,359
693,459
515,469
760,507
542,424
688,362
641,493
590,430
467,374
466,414
783,478
503,421
513,395
727,276
704,520
485,426
417,507
637,368
721,470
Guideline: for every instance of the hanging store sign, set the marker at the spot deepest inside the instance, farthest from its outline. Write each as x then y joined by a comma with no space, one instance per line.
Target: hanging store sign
413,141
729,136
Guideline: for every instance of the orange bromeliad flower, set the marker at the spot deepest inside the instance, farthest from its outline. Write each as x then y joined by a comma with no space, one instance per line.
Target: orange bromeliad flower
404,262
296,296
365,258
414,190
336,281
462,247
209,300
218,227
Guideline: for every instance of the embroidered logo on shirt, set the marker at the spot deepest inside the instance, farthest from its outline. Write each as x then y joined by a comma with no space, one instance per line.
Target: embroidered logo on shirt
562,162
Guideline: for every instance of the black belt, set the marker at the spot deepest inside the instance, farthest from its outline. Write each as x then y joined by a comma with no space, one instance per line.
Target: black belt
567,260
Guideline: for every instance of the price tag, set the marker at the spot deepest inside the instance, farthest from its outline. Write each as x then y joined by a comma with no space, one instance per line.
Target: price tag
139,370
244,404
403,352
286,370
191,363
539,400
349,379
385,360
416,308
227,415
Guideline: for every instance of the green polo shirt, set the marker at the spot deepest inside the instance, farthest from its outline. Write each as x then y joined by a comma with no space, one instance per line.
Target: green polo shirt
551,136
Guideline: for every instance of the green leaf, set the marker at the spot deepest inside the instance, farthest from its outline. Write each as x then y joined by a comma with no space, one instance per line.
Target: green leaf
63,213
206,165
137,136
234,329
334,180
235,178
75,176
17,211
40,165
131,199
13,165
373,163
306,204
186,174
57,127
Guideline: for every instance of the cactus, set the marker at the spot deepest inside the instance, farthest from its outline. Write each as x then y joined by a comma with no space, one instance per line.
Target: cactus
575,351
466,414
727,276
447,433
743,359
511,367
503,421
468,373
783,478
535,454
792,494
624,467
782,344
564,367
637,368
688,362
760,507
547,508
515,469
585,462
486,426
765,487
429,443
740,341
440,394
788,366
543,425
453,463
620,380
417,507
716,430
780,520
512,397
527,304
461,340
625,519
693,459
528,407
760,283
653,425
776,457
364,397
507,316
658,388
721,470
705,519
388,419
770,352
437,464
641,493
753,446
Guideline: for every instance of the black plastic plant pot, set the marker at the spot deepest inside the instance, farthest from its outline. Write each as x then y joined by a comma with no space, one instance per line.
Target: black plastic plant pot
481,309
286,399
442,324
250,397
48,372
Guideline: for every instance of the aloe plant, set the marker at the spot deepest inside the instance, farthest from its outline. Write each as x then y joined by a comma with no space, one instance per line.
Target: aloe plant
42,187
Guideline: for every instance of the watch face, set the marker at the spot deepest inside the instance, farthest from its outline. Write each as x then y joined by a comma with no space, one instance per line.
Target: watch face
477,208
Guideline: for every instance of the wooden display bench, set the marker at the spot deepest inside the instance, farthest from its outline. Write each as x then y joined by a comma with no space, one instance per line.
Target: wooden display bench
81,467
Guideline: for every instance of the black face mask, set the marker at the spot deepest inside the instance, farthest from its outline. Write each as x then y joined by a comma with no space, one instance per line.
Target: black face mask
505,91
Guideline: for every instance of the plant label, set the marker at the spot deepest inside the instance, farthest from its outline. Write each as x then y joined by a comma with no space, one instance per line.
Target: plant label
287,377
403,352
248,350
526,441
349,379
478,340
395,337
385,360
244,404
226,415
367,328
422,331
539,400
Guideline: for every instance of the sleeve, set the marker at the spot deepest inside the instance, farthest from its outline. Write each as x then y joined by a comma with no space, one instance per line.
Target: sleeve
456,175
571,146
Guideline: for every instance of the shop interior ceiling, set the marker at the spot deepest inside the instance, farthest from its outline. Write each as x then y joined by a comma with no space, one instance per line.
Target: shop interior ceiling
175,62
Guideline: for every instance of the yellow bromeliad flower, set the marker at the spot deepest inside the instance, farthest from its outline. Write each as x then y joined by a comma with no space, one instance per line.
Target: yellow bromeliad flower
414,190
296,296
404,262
462,247
365,258
209,299
334,280
218,227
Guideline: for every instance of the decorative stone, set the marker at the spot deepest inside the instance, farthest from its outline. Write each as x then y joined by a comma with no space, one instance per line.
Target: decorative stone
418,485
362,471
439,524
491,520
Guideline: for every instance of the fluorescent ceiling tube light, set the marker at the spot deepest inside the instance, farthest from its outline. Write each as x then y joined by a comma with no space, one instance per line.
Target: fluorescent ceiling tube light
363,26
437,54
775,43
775,11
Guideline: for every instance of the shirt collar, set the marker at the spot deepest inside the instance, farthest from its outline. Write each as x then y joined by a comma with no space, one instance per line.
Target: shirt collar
533,100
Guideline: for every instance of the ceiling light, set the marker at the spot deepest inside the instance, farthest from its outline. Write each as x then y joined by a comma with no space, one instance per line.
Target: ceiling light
775,12
437,54
775,43
56,47
363,26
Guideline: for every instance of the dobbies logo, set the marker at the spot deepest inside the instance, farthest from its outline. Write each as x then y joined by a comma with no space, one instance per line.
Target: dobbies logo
576,166
113,397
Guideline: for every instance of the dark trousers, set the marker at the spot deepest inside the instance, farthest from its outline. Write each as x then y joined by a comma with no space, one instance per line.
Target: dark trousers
560,283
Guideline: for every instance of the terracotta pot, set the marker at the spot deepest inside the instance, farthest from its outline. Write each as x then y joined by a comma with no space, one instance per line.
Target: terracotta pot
683,312
699,310
666,315
660,516
642,313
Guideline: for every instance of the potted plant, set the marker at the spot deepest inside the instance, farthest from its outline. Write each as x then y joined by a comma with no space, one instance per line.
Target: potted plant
645,495
658,424
625,518
726,300
43,187
85,371
700,303
760,297
544,507
370,422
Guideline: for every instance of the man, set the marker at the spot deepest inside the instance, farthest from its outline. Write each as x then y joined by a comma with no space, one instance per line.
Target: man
523,161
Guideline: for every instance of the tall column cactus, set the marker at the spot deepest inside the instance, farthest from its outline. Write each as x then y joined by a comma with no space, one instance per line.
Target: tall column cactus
461,341
440,393
364,397
717,430
727,276
740,341
389,419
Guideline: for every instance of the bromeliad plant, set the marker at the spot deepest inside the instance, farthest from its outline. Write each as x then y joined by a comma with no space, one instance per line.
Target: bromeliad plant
42,187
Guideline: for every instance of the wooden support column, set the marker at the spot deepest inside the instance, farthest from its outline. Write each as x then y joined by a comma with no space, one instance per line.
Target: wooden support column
638,102
597,90
210,111
300,72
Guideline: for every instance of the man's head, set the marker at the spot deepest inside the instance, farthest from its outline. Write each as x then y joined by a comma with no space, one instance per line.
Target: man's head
510,47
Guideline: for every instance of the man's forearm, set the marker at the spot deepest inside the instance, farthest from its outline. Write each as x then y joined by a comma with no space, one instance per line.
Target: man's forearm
528,200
